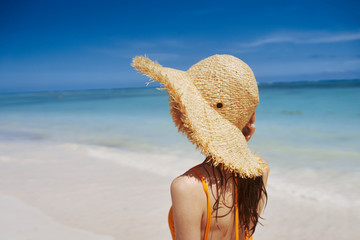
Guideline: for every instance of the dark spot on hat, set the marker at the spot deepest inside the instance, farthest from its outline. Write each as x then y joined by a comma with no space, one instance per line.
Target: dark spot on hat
219,105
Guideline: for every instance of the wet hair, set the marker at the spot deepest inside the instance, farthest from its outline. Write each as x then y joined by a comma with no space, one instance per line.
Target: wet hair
250,191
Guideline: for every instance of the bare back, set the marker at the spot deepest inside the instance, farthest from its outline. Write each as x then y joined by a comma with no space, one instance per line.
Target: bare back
190,205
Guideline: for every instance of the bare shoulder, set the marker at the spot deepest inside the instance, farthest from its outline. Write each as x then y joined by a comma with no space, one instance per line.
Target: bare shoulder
187,184
188,205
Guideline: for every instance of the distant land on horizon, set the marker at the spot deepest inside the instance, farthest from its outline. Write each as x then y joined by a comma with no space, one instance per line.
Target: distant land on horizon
280,84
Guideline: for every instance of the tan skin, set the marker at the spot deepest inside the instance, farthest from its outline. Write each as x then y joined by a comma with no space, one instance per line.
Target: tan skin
189,203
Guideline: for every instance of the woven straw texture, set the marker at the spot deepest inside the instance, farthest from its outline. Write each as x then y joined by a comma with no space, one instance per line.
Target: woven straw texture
195,96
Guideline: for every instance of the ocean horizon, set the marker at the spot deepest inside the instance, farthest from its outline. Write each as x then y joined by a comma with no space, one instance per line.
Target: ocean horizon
268,84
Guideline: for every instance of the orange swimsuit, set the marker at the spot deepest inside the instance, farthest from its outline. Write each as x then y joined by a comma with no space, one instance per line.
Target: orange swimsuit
207,230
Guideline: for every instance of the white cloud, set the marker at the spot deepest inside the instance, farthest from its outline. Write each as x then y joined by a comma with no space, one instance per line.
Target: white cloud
309,67
304,38
334,38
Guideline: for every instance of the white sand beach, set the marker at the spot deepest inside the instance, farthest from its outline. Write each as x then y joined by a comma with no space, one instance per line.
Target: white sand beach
52,190
21,221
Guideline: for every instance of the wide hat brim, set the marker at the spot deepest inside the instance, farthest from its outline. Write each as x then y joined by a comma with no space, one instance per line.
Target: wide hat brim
213,134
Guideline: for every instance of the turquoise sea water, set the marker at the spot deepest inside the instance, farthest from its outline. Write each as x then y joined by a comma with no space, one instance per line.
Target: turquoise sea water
325,114
309,132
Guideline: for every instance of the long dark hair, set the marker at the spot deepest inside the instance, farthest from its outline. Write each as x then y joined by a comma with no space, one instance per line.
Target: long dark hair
250,191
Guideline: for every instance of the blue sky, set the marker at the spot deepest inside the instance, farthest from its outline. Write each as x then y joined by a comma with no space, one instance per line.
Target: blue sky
64,45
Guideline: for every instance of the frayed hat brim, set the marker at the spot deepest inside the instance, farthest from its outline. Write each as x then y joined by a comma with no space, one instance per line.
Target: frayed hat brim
213,134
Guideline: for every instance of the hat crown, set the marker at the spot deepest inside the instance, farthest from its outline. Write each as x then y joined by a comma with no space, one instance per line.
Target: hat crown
228,85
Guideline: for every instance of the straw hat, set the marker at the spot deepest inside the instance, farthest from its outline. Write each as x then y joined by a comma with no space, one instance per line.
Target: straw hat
211,103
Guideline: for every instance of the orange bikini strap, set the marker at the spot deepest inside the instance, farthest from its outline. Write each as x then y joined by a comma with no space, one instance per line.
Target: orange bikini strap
208,221
236,213
237,217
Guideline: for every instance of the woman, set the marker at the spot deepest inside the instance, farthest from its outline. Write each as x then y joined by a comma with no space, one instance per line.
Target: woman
213,104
